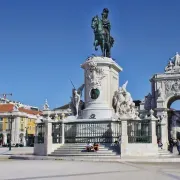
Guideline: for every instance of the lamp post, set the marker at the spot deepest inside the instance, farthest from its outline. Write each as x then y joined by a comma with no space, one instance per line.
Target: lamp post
11,120
26,135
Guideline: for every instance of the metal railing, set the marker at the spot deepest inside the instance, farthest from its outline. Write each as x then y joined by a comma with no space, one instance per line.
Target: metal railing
56,132
99,132
139,131
39,139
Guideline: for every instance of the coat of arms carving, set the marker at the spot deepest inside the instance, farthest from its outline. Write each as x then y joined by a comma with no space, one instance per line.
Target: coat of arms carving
94,74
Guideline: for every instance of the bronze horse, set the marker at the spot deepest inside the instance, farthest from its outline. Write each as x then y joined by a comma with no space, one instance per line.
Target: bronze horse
101,37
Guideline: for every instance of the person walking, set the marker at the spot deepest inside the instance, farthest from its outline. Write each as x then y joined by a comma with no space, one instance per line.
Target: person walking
160,144
178,146
171,145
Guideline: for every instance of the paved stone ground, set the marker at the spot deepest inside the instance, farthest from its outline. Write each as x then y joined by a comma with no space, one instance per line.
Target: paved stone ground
56,170
16,150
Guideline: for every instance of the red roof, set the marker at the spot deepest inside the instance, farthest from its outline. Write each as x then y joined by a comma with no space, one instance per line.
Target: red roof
9,108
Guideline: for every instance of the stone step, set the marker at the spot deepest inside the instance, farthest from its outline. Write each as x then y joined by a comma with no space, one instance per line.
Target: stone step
74,152
164,153
83,146
80,150
83,149
89,154
87,157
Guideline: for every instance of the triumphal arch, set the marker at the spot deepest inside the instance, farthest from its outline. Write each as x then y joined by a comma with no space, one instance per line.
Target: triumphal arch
165,89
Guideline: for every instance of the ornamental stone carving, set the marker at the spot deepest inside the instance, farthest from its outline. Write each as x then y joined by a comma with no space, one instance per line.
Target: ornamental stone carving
172,87
173,64
159,92
148,102
94,74
123,103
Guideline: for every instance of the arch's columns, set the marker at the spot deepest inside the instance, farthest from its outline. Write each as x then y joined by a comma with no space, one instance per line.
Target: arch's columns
164,127
4,138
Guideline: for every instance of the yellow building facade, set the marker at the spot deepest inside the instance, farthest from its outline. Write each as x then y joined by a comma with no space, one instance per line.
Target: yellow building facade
20,124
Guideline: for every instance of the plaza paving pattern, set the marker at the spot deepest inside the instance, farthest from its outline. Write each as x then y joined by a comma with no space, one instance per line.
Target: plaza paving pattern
16,151
68,170
26,153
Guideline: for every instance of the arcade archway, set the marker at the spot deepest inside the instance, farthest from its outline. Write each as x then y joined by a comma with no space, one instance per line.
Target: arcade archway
173,106
1,139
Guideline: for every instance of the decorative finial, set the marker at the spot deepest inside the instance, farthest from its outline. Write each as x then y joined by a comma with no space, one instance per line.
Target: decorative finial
46,106
56,117
151,112
15,107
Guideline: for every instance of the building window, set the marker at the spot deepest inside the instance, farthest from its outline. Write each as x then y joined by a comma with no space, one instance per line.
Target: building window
1,119
1,126
8,126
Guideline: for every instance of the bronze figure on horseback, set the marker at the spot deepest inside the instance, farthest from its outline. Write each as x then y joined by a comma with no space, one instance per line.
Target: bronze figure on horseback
102,29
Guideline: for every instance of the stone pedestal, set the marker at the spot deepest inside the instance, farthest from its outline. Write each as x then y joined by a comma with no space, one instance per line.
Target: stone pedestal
48,137
63,140
164,135
124,138
164,127
101,76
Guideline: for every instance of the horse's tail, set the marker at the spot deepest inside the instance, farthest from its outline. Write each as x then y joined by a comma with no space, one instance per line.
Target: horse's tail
111,41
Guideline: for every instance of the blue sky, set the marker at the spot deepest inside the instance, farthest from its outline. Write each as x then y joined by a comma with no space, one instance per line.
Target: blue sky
43,43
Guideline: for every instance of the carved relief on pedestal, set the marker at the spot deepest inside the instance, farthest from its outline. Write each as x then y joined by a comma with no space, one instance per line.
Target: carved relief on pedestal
94,74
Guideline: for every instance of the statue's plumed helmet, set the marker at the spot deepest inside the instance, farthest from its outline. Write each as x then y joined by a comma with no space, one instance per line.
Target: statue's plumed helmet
105,10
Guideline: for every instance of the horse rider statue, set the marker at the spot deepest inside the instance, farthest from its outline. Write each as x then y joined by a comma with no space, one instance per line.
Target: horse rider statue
102,29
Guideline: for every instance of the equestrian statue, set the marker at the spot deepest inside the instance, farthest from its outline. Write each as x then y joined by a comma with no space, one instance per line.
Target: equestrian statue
102,35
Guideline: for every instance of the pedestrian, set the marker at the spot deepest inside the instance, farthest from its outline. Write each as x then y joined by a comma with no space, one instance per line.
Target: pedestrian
178,146
171,145
160,144
119,139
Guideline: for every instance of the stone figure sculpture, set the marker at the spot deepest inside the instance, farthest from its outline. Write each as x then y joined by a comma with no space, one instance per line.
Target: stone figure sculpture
148,102
102,36
75,100
169,67
123,103
173,64
159,92
15,107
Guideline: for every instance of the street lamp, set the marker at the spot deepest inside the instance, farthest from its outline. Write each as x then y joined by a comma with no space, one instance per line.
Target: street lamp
11,120
26,135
